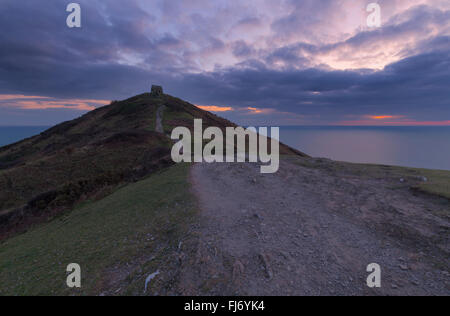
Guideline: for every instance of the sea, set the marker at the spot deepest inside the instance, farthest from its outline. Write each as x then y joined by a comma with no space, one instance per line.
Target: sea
420,147
408,146
12,134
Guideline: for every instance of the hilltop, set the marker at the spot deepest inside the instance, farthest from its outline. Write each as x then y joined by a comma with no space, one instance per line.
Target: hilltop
89,156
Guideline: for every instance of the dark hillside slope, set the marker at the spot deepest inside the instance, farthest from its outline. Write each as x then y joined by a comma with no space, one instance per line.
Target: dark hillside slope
46,173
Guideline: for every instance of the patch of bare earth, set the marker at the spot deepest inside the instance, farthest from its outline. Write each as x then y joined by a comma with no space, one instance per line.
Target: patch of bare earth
308,231
159,114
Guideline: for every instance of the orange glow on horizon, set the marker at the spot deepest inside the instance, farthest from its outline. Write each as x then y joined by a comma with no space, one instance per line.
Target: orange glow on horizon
4,97
214,108
381,117
384,117
398,123
254,110
42,103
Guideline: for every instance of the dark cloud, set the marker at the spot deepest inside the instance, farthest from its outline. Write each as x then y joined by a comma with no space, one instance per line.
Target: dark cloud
417,86
121,49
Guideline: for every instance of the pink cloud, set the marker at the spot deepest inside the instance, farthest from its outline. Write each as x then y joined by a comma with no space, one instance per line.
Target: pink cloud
4,97
42,102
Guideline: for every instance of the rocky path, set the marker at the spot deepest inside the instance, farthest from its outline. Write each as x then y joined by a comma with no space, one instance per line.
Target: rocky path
307,231
159,115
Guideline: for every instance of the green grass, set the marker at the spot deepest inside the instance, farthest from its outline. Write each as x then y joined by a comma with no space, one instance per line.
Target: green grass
438,181
137,226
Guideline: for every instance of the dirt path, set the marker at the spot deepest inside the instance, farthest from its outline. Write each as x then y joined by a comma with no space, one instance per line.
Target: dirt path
159,115
307,231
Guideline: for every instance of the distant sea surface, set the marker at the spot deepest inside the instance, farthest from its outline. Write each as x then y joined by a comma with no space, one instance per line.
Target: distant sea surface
421,147
12,134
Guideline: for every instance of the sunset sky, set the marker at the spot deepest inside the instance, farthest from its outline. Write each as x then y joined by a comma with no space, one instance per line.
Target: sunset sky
256,62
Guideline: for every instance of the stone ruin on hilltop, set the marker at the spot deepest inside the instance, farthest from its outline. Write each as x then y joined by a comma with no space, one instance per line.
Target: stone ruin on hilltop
157,91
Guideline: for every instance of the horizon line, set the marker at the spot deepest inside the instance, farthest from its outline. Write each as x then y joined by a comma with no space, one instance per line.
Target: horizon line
296,125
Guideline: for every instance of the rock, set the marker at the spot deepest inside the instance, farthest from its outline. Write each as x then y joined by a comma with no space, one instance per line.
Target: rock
285,255
404,267
423,179
402,180
149,278
265,260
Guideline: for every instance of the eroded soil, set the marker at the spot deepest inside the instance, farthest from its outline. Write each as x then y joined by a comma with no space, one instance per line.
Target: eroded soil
308,230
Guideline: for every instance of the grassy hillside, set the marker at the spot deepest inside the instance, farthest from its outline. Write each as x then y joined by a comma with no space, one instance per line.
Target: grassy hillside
51,172
97,137
118,241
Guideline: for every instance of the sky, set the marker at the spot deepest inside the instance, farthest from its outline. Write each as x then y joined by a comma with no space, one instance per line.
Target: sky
256,62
